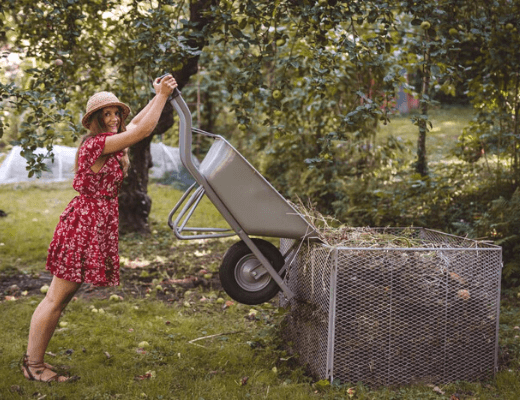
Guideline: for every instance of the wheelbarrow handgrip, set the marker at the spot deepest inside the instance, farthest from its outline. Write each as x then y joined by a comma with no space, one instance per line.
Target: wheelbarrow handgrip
176,92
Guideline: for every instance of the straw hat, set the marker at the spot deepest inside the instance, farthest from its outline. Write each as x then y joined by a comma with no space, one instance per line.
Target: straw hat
102,100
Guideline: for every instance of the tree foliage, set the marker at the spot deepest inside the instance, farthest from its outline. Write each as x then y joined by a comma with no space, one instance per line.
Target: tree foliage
298,86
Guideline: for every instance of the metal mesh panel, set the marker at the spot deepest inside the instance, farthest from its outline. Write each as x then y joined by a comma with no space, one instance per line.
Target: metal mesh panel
396,315
308,322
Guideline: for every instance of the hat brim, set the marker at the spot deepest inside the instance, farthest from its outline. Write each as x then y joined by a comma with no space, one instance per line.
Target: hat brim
86,118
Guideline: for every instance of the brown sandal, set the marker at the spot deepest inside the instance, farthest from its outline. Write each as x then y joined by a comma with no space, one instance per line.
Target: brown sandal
41,367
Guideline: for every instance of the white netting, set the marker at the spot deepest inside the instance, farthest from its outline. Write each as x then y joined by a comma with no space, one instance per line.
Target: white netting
13,169
167,165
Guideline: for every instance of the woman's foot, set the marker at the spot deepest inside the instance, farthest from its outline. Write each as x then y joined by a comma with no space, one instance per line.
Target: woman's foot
40,372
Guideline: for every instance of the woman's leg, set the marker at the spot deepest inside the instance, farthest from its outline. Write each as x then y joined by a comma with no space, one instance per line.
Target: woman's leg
45,319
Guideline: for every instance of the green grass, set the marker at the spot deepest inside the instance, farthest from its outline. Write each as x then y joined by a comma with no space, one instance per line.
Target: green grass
103,348
33,211
34,208
448,124
105,344
211,368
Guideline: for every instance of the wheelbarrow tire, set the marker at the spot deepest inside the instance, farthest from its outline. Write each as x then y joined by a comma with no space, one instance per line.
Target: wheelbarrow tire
236,280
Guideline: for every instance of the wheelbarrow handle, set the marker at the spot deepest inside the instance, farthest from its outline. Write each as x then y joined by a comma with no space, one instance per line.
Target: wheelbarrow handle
176,92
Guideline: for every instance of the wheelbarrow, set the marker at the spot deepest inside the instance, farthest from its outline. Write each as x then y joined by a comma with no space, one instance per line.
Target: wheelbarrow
252,269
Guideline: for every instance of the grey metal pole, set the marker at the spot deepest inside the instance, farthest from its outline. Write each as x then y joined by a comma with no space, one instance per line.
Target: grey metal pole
185,141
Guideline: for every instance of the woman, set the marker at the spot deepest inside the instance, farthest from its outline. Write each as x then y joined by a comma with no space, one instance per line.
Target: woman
84,247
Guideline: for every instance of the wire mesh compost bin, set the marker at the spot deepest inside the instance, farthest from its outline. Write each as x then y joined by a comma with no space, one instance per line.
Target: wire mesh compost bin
395,306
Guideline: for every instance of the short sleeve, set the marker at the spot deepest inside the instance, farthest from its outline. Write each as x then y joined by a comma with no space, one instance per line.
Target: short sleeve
90,151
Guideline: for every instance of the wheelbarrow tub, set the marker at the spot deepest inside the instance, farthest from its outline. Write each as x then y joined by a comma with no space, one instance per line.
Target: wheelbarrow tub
255,204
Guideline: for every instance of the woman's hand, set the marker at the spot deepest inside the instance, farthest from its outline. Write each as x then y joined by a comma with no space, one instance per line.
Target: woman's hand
143,124
165,85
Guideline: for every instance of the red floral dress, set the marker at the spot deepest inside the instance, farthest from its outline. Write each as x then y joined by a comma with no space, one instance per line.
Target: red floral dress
84,247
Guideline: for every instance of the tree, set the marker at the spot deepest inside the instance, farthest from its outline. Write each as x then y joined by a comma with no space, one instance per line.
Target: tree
306,82
299,64
91,45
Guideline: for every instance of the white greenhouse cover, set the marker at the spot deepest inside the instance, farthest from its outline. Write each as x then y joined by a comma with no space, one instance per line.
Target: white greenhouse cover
13,169
166,164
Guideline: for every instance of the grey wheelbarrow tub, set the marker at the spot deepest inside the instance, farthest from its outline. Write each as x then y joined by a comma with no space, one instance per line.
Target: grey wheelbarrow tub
248,203
256,205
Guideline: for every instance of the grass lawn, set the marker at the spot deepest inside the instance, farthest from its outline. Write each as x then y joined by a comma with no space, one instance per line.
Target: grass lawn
447,125
162,339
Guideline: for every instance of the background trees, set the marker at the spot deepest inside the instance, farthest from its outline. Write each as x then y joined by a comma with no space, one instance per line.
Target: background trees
298,86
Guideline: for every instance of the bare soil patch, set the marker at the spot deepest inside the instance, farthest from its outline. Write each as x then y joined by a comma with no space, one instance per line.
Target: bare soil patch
132,285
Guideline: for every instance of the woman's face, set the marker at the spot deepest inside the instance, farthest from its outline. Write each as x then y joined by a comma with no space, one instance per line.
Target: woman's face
111,118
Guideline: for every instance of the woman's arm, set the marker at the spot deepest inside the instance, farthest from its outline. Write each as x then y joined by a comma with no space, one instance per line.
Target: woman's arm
141,114
143,127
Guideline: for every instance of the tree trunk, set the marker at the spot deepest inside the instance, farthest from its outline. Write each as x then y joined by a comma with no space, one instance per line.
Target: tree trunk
134,202
421,165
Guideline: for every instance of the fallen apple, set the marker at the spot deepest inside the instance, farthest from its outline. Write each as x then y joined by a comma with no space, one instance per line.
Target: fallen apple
63,324
208,276
44,289
114,297
463,294
143,344
58,62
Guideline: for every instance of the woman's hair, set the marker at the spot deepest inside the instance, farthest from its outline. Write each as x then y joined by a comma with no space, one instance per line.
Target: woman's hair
97,126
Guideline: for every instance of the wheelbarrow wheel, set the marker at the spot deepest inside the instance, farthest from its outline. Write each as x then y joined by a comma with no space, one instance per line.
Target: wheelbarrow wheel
239,268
